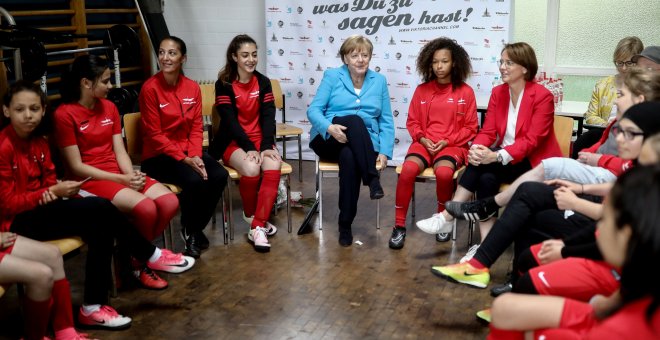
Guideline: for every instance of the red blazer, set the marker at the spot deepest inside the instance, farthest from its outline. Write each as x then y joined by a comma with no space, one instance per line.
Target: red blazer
535,134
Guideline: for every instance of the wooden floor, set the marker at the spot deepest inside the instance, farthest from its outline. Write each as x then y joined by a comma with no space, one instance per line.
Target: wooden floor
307,287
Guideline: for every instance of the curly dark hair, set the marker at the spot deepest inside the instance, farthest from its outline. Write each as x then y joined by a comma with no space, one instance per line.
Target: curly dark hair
461,68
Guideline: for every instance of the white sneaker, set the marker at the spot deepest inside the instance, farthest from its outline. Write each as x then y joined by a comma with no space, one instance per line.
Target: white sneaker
270,228
259,238
436,224
470,253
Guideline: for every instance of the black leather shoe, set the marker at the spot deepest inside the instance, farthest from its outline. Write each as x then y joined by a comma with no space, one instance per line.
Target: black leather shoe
501,289
375,190
203,242
442,237
398,238
345,238
192,245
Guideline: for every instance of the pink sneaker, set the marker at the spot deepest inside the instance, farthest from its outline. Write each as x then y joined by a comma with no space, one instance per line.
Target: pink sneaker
258,237
270,228
71,334
172,263
105,317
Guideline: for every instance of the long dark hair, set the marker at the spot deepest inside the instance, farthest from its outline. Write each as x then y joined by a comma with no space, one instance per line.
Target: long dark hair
229,73
85,66
461,68
19,86
632,199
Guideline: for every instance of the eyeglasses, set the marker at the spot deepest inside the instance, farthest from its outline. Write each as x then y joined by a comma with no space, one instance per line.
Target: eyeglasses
506,63
627,134
628,63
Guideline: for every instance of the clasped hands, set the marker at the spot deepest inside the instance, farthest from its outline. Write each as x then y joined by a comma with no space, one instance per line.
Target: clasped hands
479,154
433,148
197,164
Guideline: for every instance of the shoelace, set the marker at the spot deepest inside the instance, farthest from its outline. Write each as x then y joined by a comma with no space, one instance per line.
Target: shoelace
109,310
149,273
473,250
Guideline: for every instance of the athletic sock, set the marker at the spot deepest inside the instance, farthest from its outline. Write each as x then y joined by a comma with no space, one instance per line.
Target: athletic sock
37,314
404,189
167,206
144,216
444,185
62,314
266,198
248,187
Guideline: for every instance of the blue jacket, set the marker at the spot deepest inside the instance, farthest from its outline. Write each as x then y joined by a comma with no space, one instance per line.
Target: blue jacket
336,97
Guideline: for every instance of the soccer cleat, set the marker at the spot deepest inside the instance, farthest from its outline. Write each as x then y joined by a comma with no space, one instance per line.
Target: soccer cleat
171,263
270,228
463,273
398,238
149,279
484,315
258,237
193,246
435,224
470,254
472,211
105,318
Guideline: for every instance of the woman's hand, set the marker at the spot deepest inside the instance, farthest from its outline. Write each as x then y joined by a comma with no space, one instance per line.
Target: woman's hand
566,199
382,159
337,132
138,180
550,251
253,156
480,154
272,154
198,165
7,239
427,143
588,158
65,188
47,197
572,186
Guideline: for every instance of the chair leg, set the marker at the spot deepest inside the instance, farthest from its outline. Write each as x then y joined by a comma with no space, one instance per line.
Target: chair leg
378,214
453,230
300,178
288,202
230,211
225,224
284,148
320,175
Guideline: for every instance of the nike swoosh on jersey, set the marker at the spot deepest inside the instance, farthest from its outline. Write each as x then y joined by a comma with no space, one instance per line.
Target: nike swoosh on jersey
163,105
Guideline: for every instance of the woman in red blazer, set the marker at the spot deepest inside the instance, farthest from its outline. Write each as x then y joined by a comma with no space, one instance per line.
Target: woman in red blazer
517,134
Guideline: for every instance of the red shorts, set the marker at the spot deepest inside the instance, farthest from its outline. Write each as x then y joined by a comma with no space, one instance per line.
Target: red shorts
233,146
458,154
575,278
108,189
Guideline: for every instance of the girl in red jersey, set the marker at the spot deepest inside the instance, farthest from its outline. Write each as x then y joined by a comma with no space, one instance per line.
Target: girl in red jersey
88,133
629,238
171,107
33,205
442,119
245,103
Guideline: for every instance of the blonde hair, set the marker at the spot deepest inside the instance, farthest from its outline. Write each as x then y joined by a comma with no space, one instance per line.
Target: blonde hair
643,82
356,43
627,48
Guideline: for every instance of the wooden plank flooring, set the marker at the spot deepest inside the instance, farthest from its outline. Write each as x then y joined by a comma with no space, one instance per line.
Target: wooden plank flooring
307,287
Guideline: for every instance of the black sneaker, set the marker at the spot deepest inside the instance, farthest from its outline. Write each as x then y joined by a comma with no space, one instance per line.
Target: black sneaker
479,210
192,245
203,241
375,189
345,238
501,289
398,237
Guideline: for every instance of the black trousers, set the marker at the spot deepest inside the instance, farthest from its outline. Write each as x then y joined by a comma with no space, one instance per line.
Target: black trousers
357,161
530,217
98,222
485,180
586,140
198,198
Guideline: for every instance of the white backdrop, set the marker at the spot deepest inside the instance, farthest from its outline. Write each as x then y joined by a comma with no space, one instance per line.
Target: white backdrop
303,39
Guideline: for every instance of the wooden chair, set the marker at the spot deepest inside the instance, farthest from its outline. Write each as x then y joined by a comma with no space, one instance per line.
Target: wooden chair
563,127
234,176
133,137
429,176
208,109
284,131
326,169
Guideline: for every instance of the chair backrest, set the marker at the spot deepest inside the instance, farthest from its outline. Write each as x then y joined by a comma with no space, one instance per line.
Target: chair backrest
208,98
279,97
133,136
564,132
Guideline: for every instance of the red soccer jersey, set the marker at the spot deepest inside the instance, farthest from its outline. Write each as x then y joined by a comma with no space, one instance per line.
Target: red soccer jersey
247,105
26,172
91,130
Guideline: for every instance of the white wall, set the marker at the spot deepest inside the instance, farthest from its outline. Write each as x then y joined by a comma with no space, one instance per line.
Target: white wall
207,27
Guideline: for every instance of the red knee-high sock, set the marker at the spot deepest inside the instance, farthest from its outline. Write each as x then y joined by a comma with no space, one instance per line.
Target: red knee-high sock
404,189
167,206
61,312
267,196
444,185
144,216
36,318
248,187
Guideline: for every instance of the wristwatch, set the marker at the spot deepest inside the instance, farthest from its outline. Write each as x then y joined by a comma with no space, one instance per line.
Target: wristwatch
499,158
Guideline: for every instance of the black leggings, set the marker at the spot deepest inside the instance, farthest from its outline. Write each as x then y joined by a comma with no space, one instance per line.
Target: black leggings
485,180
98,222
357,161
198,198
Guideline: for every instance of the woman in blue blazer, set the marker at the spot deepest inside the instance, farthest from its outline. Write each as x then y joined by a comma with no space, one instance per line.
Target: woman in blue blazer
352,124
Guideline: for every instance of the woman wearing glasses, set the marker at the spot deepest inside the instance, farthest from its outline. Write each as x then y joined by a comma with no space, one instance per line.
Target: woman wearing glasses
517,134
601,106
352,124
